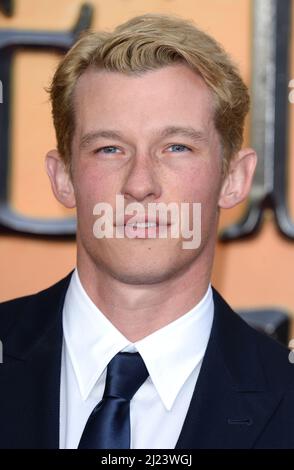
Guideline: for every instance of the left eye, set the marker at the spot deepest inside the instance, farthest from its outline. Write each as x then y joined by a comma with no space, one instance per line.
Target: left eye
179,148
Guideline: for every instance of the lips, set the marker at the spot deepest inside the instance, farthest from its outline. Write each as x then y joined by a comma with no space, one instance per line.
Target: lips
143,221
141,224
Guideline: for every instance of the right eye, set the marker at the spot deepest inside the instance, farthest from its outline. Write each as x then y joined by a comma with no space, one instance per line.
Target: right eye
108,149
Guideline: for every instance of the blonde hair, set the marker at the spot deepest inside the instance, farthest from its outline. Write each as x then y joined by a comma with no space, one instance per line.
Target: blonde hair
149,42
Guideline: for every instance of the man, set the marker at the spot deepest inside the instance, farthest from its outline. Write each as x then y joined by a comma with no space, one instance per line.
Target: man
134,349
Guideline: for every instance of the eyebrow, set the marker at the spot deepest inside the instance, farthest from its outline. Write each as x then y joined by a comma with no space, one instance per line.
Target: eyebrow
190,132
170,131
88,138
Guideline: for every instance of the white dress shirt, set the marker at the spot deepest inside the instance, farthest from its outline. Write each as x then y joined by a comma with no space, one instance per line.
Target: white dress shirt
173,356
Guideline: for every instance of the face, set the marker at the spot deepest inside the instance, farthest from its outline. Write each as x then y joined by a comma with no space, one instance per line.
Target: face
151,139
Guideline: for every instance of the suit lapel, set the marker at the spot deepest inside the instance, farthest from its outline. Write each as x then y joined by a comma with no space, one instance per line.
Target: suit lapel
29,410
230,404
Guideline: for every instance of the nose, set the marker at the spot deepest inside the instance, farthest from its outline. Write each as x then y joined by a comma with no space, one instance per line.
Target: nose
141,183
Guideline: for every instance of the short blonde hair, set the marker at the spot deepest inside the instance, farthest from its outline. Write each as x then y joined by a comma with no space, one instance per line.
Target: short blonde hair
149,42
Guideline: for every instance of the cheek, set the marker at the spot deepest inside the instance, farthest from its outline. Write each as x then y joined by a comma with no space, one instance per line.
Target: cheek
93,186
200,184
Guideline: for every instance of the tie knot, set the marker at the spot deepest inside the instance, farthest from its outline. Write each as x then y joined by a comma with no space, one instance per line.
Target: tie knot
126,372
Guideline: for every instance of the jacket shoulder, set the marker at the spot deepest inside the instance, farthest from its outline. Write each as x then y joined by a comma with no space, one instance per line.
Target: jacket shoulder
239,340
12,310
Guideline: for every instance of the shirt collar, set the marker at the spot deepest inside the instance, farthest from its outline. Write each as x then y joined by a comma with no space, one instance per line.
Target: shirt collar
92,341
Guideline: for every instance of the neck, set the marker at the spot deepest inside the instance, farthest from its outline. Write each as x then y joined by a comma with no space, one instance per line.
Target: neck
139,310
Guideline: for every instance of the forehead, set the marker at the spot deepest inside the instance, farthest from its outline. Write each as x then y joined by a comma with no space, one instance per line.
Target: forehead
171,93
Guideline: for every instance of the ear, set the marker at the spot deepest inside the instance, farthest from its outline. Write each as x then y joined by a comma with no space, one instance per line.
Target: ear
237,183
60,178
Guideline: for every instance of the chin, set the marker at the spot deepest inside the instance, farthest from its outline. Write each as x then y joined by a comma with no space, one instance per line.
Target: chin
142,277
146,273
141,266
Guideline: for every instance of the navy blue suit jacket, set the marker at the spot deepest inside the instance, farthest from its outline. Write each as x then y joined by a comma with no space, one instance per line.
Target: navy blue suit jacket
244,397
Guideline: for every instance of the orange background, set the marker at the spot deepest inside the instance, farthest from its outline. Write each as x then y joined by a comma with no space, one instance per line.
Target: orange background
255,273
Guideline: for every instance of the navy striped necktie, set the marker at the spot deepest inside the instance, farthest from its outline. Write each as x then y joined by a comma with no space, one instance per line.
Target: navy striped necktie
108,426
